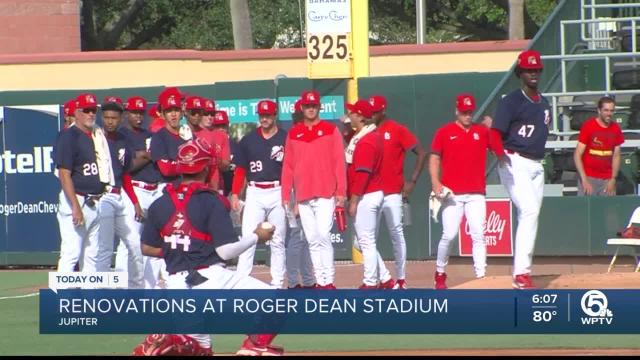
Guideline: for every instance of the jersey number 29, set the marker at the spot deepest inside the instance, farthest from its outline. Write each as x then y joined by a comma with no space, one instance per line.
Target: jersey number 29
526,130
255,166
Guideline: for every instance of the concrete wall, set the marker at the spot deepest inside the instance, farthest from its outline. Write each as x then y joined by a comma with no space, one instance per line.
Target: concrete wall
122,69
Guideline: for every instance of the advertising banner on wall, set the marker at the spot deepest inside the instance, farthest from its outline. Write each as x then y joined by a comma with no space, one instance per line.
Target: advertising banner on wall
30,197
497,232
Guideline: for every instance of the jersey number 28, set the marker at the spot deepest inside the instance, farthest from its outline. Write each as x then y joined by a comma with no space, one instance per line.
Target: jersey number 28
526,130
90,169
255,166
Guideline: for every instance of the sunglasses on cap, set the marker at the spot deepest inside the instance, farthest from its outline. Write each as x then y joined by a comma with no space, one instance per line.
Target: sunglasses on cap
90,110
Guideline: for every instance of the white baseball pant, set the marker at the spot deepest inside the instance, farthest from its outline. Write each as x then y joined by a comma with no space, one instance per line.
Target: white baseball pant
299,265
366,224
383,273
316,216
76,239
392,210
218,278
524,180
474,207
153,268
260,205
116,220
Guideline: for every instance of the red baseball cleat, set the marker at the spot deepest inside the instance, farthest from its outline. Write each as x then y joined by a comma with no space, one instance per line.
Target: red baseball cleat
401,284
440,281
389,284
249,348
522,282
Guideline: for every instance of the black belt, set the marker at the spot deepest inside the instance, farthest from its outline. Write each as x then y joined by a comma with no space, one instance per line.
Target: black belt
90,199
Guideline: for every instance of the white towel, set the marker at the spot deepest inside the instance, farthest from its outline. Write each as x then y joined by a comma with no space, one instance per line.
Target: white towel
103,157
185,132
348,153
435,203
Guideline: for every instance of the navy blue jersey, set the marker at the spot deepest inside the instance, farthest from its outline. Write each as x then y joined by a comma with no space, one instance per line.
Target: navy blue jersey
227,176
75,151
188,227
140,141
120,156
524,123
260,157
164,146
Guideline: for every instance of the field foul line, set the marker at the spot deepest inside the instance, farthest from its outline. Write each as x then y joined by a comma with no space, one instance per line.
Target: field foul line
20,296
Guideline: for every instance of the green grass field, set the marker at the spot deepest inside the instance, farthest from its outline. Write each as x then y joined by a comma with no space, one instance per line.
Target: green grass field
19,321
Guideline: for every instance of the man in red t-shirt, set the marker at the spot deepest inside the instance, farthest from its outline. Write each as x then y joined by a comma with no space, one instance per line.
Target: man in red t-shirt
364,188
397,140
457,162
597,155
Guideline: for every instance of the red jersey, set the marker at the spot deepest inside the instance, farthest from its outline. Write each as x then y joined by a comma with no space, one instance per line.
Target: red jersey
363,174
314,162
463,157
600,142
397,140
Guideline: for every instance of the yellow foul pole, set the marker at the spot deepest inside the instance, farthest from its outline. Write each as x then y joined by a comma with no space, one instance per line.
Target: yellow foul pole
360,63
359,46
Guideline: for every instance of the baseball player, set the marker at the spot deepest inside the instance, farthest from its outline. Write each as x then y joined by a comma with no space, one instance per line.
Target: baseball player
457,162
318,188
164,150
364,160
190,227
144,176
397,141
69,110
207,116
299,265
521,122
597,155
82,189
114,217
259,160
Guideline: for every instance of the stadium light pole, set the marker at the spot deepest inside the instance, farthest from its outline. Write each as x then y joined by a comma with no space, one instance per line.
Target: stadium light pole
421,14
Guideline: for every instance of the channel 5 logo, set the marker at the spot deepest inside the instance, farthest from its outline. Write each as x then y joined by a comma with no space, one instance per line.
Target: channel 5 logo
595,305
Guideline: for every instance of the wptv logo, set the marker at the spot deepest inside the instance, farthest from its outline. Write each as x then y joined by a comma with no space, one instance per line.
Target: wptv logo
595,305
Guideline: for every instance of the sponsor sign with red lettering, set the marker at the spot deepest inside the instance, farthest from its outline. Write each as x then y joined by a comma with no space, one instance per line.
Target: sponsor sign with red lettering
497,231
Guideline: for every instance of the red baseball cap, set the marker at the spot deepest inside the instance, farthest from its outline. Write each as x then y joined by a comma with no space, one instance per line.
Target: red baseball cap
194,103
378,103
310,97
136,103
362,107
86,101
530,60
209,106
156,125
193,156
70,107
267,107
168,101
153,111
465,103
168,93
297,107
220,118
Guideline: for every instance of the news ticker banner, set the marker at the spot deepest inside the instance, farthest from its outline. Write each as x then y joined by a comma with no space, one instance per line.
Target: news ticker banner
413,311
